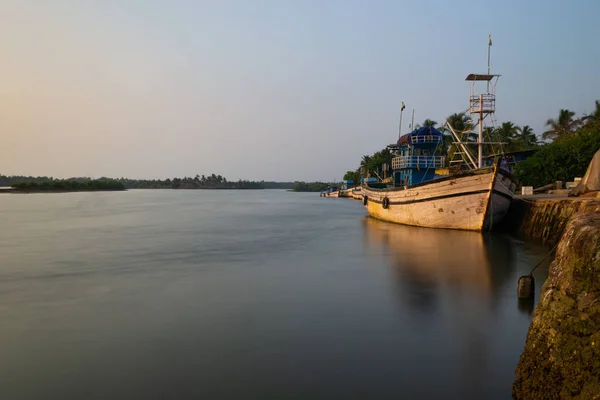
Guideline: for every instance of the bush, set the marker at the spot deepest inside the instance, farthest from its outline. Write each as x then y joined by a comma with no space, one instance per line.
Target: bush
310,187
561,160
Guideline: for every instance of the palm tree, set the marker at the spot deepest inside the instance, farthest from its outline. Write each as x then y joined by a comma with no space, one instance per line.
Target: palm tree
507,133
593,117
462,125
526,138
429,122
564,125
365,163
460,122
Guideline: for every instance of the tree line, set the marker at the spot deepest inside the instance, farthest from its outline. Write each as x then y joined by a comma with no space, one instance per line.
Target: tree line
69,185
212,181
310,186
564,150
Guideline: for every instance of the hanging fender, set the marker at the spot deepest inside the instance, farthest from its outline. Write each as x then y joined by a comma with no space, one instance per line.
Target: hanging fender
385,203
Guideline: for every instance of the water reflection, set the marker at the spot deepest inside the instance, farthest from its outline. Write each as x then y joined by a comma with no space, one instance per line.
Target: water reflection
431,261
526,305
449,280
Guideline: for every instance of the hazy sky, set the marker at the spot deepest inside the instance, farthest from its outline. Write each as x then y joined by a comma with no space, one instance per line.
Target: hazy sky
274,90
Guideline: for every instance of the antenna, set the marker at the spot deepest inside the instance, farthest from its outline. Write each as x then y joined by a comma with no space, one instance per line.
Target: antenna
489,48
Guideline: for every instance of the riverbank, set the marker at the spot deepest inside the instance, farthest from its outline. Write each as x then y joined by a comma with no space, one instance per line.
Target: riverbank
544,217
561,358
23,191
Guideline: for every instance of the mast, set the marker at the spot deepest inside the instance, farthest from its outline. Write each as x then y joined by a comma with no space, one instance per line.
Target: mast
482,104
480,137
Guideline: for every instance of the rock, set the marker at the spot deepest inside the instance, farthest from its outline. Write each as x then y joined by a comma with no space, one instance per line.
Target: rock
561,359
591,179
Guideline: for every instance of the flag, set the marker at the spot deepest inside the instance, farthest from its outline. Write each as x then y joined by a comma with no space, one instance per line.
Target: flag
490,40
402,107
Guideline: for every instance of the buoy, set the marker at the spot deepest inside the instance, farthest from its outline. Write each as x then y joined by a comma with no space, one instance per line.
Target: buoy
365,200
526,287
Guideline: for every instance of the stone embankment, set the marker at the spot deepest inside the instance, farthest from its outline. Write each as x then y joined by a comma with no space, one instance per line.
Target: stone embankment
561,359
545,217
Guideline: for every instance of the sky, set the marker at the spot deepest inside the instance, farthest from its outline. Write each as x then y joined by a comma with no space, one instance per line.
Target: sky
269,90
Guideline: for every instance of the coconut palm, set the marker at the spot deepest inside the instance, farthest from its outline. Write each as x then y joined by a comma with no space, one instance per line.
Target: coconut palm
526,138
429,122
366,163
506,134
462,125
460,122
594,117
564,125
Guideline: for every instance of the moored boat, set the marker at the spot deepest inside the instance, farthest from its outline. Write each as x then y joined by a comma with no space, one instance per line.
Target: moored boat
347,189
425,193
472,200
357,193
332,191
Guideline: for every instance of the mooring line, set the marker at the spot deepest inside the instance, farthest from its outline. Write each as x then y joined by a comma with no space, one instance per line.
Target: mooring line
544,259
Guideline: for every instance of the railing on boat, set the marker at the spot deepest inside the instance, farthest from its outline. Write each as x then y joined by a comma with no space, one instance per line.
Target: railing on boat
485,103
426,139
418,162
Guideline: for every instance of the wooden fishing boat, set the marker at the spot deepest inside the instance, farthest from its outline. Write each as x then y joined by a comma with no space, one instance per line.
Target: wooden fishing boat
425,193
472,200
357,193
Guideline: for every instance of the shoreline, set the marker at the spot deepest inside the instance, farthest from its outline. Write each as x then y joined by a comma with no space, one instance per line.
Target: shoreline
21,191
565,322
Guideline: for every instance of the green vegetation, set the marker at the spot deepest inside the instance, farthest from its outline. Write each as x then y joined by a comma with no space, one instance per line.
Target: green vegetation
562,126
568,156
310,186
352,176
373,164
69,185
198,182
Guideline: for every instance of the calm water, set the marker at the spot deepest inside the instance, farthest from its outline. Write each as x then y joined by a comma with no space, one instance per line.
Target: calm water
250,294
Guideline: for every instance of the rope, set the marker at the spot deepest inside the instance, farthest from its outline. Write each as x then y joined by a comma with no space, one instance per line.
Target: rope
544,259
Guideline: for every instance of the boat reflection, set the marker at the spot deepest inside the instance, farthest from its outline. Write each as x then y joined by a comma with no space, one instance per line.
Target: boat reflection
432,260
448,281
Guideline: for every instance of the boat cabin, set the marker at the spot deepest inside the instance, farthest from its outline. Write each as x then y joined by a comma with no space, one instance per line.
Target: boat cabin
419,155
347,184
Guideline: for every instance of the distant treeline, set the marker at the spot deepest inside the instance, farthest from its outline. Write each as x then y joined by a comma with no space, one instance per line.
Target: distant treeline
202,182
310,186
69,185
198,182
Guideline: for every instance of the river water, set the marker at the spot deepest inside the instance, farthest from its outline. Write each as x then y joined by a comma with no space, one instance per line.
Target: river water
157,294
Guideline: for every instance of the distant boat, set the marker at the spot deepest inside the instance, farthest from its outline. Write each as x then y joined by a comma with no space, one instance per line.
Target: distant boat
425,193
331,191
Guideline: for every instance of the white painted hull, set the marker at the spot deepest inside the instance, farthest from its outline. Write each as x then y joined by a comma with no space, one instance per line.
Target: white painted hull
357,193
473,201
345,193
